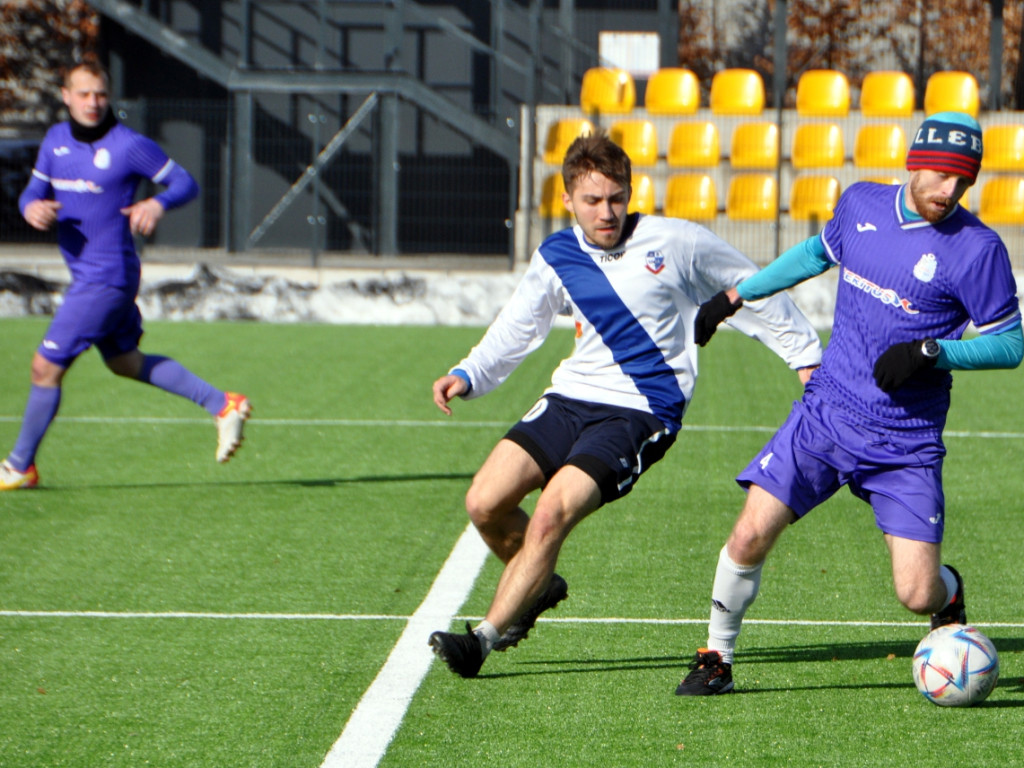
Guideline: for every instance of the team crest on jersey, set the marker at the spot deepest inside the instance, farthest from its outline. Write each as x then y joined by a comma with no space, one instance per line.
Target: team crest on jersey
655,261
102,158
924,270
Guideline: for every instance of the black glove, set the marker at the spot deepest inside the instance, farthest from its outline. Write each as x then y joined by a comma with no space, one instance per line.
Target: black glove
901,361
711,313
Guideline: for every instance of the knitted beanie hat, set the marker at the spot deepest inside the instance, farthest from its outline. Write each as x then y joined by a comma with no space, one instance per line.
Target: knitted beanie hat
949,142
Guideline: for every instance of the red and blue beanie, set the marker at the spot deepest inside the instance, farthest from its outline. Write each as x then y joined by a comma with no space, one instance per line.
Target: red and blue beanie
949,142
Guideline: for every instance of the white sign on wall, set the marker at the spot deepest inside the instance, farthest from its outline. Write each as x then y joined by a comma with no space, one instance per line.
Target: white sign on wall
639,53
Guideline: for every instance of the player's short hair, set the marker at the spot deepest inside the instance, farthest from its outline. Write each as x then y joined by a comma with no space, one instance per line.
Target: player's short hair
596,152
88,64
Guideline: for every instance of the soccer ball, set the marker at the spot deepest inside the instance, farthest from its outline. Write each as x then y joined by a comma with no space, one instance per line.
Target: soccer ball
955,666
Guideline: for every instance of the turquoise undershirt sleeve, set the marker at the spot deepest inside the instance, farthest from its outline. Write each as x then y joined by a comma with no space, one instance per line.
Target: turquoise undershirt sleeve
802,261
994,350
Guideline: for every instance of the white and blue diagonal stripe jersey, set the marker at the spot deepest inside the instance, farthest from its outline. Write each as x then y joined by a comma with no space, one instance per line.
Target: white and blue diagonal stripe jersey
634,309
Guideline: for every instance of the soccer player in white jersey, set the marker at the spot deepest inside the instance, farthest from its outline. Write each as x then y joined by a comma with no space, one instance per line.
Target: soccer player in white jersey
84,184
633,284
914,269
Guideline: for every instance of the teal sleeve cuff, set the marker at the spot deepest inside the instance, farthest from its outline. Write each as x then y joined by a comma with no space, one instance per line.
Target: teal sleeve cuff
995,350
465,377
802,261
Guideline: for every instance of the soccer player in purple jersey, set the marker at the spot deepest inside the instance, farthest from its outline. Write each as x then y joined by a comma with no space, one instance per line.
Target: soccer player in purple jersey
84,181
914,269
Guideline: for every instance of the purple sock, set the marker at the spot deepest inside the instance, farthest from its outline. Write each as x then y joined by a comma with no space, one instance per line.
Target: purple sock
171,376
40,410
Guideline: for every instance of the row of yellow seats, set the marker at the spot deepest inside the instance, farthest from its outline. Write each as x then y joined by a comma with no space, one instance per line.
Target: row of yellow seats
738,91
756,144
752,197
694,196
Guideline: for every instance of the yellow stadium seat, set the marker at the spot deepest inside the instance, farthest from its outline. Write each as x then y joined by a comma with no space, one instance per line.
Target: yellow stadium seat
884,179
551,204
737,92
813,197
951,91
691,196
561,134
1002,200
965,199
823,93
638,138
752,196
672,91
880,146
693,145
754,145
887,94
1003,147
818,145
642,198
607,90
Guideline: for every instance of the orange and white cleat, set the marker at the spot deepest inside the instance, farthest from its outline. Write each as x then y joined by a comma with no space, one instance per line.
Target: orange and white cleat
230,421
12,480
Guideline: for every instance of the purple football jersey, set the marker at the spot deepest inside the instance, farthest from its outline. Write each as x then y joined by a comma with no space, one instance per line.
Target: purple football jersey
93,182
899,281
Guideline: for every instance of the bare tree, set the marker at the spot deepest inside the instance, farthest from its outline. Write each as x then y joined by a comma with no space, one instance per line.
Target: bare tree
37,38
699,47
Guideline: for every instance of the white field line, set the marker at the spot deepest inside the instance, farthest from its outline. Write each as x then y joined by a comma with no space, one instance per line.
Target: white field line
376,718
448,424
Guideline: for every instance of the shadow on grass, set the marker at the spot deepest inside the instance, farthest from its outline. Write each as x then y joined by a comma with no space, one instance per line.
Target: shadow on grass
312,482
801,654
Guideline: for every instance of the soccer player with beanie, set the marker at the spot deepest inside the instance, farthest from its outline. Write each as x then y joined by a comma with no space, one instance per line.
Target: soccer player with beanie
915,268
84,182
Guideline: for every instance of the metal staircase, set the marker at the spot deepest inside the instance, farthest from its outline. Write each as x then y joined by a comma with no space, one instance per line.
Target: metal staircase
379,78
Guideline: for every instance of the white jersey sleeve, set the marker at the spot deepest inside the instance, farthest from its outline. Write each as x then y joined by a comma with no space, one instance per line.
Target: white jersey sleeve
520,328
775,321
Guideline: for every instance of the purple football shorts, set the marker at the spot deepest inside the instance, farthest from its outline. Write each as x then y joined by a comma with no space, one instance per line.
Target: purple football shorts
613,445
92,314
816,452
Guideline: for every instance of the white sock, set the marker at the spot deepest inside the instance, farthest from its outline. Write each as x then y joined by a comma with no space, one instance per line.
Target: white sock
734,590
487,635
950,581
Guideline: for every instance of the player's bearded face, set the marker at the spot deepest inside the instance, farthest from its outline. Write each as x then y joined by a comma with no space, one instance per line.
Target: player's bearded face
86,98
933,194
599,205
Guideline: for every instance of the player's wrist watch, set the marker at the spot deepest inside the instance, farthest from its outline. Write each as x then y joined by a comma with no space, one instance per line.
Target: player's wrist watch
930,349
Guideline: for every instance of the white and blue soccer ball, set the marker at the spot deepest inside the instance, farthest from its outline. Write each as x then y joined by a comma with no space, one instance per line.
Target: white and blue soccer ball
955,666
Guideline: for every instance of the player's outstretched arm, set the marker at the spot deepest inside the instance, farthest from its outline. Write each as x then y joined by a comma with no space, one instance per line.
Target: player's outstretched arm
712,312
446,388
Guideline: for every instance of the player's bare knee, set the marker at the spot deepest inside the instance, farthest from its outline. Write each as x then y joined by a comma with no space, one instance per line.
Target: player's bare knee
747,545
45,373
480,511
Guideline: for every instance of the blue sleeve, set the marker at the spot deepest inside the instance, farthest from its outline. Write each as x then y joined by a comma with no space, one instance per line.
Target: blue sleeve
802,261
181,188
994,350
36,189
